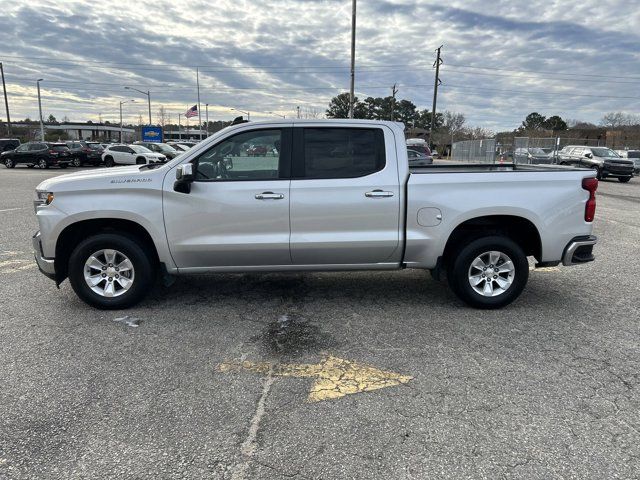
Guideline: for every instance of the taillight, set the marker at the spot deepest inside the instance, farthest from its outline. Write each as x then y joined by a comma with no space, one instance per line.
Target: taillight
86,150
590,185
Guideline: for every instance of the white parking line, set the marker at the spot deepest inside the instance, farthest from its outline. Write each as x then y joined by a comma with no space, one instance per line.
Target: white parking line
12,209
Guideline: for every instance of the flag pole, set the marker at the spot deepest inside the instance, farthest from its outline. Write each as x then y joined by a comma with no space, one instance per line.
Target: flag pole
199,115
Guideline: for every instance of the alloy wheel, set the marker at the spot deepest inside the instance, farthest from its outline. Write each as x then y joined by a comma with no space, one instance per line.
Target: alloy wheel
109,273
491,273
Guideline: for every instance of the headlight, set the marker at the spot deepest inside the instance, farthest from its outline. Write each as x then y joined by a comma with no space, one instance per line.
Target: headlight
43,198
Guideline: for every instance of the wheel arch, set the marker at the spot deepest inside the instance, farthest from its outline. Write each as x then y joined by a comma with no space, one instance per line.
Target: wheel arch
519,229
74,233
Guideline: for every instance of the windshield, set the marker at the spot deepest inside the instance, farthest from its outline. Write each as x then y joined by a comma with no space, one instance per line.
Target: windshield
604,152
140,149
94,146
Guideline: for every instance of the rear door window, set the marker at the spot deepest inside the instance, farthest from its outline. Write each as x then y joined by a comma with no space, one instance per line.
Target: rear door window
340,153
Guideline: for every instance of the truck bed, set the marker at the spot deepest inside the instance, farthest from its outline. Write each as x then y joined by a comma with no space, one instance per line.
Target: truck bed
488,167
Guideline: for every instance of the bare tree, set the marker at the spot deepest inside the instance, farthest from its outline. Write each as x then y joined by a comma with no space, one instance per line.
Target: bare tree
618,119
163,116
309,112
453,123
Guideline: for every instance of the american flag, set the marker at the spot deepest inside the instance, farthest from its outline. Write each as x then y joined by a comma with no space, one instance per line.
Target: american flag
192,112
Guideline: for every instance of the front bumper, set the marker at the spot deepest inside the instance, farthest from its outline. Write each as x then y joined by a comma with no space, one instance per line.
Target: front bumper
579,250
46,265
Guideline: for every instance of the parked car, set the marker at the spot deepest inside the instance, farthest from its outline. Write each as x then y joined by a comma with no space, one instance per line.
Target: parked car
633,155
7,144
130,155
532,155
161,148
41,154
365,209
85,152
604,161
417,159
420,146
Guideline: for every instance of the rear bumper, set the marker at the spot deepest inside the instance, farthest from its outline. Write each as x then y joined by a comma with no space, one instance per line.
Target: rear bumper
579,250
46,265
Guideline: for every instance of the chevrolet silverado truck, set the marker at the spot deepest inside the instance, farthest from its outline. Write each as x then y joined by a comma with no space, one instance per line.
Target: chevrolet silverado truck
327,195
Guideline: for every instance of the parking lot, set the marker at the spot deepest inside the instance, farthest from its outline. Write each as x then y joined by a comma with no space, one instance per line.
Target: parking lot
323,375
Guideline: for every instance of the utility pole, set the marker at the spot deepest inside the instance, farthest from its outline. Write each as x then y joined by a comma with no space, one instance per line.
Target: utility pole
199,114
394,90
6,101
298,108
207,118
437,82
179,131
353,58
40,110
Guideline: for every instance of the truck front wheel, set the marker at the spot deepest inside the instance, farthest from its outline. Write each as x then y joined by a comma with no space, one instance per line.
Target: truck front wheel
489,272
110,271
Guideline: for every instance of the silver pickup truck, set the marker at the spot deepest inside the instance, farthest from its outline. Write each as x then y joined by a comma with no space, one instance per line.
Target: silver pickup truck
310,196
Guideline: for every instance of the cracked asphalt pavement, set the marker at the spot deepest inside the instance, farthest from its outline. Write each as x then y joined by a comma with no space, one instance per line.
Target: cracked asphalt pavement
546,388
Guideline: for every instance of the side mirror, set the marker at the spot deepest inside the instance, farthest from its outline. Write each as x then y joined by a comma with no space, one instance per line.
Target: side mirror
184,177
184,173
588,155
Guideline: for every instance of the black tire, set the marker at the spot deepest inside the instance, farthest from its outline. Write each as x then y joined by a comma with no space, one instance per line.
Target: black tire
460,266
624,179
598,173
77,162
108,162
143,267
141,161
9,163
43,163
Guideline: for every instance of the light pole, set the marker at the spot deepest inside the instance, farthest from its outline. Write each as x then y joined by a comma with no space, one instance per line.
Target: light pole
206,107
6,101
122,103
248,114
277,114
148,94
40,109
353,58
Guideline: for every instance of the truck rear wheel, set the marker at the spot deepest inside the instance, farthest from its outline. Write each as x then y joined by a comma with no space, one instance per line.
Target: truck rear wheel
110,271
489,272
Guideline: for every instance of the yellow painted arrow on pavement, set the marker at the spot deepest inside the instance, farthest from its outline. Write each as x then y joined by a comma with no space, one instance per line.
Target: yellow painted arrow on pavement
335,377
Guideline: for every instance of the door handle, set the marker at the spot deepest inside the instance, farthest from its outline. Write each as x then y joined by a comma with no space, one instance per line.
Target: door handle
269,196
378,194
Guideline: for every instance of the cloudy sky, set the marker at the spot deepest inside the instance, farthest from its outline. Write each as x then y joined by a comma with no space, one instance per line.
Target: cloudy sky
502,59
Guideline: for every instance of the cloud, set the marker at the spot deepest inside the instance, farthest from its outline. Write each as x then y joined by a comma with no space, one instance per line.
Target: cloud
274,55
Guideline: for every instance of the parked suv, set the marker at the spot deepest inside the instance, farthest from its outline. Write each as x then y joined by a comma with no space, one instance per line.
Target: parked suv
130,155
85,152
7,144
161,148
42,154
603,160
634,156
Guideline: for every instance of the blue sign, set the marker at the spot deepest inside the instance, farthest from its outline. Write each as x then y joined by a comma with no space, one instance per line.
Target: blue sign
152,134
